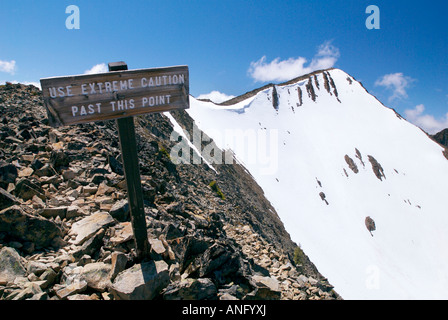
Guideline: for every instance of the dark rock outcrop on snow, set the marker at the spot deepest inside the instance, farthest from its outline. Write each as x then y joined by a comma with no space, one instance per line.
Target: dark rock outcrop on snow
441,137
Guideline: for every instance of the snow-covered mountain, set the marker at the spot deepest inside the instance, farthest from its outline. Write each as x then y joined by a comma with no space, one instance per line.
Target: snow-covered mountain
328,155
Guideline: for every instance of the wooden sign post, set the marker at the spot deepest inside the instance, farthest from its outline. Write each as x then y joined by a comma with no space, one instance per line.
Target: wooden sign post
119,94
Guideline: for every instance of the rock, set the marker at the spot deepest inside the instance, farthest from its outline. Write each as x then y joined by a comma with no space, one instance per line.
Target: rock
73,212
54,212
115,165
59,158
377,168
30,291
25,172
323,197
82,297
26,189
120,210
28,247
351,164
6,199
8,174
267,288
38,203
172,232
85,259
68,174
191,289
104,189
39,296
123,233
30,228
142,281
36,164
269,282
55,180
227,296
217,257
49,277
370,225
89,190
91,246
64,292
87,227
119,261
46,171
97,275
157,246
11,266
97,178
231,292
177,209
38,268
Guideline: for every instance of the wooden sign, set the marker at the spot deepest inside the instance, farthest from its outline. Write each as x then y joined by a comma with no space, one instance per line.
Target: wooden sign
117,94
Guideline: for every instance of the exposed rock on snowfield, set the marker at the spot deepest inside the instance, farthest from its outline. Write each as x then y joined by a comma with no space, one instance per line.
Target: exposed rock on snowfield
370,225
65,229
351,164
377,168
441,137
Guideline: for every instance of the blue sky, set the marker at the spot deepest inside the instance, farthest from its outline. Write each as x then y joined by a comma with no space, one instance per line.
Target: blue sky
236,46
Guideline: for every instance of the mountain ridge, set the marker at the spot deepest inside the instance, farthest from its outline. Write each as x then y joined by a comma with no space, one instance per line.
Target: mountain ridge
64,219
321,136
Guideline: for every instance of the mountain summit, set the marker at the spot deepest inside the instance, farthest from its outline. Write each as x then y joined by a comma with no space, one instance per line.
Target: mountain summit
361,189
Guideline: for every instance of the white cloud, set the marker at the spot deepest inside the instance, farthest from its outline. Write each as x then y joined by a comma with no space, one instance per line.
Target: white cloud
215,96
426,121
397,82
98,68
281,70
8,66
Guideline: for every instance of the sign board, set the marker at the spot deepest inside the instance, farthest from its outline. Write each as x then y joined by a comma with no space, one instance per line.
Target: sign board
117,94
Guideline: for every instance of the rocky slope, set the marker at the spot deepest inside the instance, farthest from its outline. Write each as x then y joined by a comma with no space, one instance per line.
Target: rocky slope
441,137
64,219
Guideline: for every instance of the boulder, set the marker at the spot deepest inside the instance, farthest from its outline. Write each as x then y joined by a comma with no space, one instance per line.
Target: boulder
87,227
120,210
11,266
115,165
91,246
123,233
63,292
142,281
27,189
6,199
191,289
266,288
60,212
97,275
45,171
21,225
119,261
8,174
59,158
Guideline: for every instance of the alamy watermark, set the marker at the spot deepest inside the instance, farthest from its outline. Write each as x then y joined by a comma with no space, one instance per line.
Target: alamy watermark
373,20
252,147
73,21
372,277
